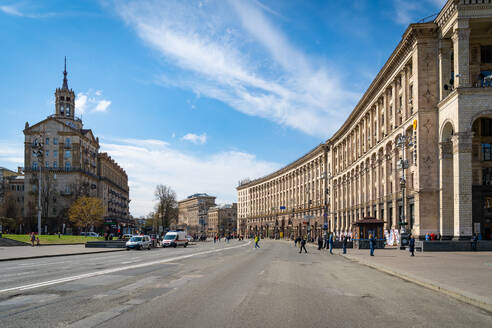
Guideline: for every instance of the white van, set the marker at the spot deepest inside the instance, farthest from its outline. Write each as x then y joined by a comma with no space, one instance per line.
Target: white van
174,239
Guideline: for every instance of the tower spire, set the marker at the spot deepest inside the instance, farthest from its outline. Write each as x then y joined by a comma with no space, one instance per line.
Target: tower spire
65,82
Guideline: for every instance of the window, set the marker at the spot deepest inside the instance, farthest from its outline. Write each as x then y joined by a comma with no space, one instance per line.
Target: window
67,153
62,110
67,165
55,141
47,164
486,127
68,110
487,176
67,141
35,165
55,154
55,165
47,141
486,152
46,153
486,54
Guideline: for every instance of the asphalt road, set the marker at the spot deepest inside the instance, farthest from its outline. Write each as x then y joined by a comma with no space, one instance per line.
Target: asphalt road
222,285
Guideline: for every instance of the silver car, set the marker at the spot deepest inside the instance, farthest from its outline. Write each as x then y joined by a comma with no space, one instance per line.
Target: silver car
139,242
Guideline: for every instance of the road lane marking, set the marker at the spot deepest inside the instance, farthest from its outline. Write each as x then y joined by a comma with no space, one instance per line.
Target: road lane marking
106,271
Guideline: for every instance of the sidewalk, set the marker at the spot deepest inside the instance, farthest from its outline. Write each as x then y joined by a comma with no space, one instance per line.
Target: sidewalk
27,252
466,276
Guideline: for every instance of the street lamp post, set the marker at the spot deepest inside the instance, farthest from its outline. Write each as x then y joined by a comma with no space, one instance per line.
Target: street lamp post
38,151
403,163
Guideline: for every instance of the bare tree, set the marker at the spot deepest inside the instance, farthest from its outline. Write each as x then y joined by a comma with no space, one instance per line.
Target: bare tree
166,208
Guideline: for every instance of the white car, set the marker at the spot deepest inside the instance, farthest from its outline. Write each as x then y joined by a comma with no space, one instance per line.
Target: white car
175,239
90,234
138,242
189,238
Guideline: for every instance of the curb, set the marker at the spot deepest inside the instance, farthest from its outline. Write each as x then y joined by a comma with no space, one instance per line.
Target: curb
57,255
456,294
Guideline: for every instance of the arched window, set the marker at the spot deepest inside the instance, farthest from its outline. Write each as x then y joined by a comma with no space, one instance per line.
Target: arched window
68,110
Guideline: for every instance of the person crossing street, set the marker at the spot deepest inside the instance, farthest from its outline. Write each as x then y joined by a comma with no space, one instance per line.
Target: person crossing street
257,239
303,245
330,241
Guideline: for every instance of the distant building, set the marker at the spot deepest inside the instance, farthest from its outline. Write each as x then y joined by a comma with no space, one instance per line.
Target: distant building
193,211
12,196
222,220
67,156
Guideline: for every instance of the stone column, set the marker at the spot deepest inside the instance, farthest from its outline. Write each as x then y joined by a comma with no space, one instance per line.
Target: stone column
444,67
461,48
446,210
462,188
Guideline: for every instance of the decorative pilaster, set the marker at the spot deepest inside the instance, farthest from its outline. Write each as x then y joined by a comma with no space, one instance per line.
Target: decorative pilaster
444,67
462,187
461,47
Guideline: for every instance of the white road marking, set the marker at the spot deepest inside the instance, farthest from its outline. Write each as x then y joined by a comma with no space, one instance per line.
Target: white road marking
102,272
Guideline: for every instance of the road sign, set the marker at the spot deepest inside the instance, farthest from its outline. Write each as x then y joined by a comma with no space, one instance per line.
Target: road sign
282,207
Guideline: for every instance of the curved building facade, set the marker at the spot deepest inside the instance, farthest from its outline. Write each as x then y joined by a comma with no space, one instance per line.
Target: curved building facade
416,149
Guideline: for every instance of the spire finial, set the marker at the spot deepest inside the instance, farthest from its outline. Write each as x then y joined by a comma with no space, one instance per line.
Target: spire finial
65,82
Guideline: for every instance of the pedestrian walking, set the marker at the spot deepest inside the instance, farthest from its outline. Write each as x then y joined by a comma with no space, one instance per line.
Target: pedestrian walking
37,241
33,239
411,245
303,245
320,243
344,244
297,240
372,243
257,239
474,242
330,241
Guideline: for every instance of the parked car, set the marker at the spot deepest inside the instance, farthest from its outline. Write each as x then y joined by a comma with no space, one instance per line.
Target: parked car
189,238
138,242
90,234
127,236
174,239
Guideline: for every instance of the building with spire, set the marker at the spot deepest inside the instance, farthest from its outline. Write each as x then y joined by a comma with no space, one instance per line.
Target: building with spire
66,157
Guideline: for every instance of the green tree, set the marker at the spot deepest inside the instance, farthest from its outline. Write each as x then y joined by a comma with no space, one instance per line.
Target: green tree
86,211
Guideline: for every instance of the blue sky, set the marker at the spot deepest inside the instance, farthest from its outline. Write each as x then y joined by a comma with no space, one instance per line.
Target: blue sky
197,94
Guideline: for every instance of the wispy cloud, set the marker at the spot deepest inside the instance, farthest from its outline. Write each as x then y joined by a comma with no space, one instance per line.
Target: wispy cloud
19,10
216,174
232,51
12,153
195,138
91,101
406,12
11,10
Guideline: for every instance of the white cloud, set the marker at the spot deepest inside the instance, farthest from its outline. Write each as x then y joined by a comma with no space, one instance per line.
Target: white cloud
195,138
102,106
91,101
81,102
232,52
152,162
